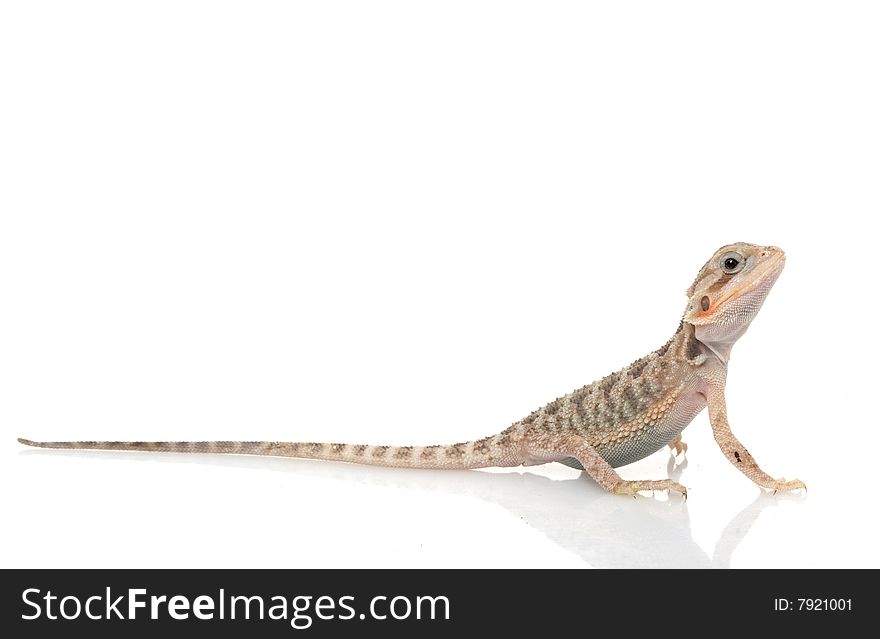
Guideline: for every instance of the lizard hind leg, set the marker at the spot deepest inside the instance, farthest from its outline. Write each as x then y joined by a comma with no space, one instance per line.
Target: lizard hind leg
575,446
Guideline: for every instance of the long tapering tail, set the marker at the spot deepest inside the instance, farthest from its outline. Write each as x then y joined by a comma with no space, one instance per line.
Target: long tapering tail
498,450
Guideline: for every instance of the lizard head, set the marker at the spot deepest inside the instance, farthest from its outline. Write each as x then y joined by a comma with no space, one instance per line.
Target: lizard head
729,292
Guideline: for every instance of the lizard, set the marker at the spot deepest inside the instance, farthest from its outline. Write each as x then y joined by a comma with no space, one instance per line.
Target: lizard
612,422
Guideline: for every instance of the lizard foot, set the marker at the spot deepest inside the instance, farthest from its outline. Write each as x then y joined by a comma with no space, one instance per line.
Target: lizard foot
780,484
677,446
633,487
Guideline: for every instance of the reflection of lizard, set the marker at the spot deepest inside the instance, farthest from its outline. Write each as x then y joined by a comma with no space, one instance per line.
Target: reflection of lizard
612,422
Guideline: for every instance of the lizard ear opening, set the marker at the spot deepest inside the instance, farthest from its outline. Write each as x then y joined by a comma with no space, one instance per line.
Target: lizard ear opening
696,312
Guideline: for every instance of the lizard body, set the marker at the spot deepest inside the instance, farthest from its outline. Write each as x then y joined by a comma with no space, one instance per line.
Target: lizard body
614,421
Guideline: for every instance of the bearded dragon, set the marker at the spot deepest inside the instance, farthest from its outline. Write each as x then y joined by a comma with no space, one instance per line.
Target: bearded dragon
614,421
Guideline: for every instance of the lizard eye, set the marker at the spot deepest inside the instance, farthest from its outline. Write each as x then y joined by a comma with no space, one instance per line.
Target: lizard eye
732,262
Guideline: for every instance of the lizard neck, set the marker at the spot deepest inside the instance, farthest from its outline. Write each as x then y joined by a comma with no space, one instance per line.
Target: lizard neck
686,346
720,348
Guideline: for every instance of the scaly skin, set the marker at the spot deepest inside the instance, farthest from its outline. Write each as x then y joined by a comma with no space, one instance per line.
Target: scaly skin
614,421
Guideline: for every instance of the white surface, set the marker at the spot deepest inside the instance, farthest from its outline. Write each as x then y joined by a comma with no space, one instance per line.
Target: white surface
415,223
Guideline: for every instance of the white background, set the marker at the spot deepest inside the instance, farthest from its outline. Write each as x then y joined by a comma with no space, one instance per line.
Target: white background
413,223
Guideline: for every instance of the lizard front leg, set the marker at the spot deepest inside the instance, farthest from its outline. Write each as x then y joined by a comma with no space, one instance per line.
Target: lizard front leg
568,445
735,452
